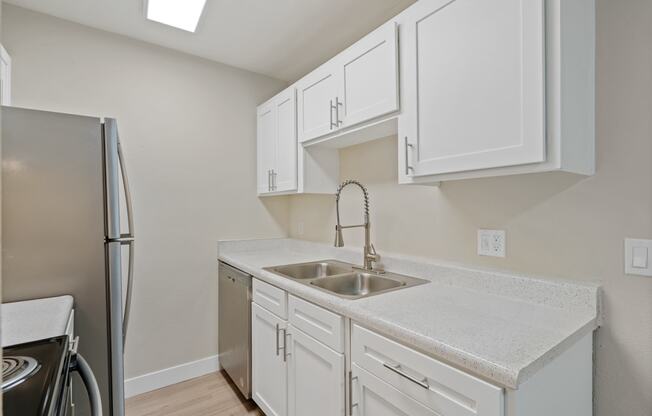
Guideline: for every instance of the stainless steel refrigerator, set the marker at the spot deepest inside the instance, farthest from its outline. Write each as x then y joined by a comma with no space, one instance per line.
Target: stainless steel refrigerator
64,185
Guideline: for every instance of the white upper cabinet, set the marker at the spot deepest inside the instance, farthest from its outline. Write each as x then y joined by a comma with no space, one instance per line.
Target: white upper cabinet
317,102
496,88
474,83
358,85
369,85
277,144
266,146
473,88
285,171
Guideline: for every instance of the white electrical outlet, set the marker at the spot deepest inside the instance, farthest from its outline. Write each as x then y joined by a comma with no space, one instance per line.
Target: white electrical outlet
637,257
491,243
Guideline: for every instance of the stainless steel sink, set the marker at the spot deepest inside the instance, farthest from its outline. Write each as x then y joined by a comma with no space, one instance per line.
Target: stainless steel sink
357,284
312,270
343,279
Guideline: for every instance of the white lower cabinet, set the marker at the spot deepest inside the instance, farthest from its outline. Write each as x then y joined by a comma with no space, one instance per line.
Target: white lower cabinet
315,377
268,359
302,354
294,374
374,397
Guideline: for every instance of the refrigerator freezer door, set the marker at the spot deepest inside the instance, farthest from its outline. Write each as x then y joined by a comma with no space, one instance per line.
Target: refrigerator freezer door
53,225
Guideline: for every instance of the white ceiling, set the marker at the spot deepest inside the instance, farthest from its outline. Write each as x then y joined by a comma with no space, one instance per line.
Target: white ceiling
284,39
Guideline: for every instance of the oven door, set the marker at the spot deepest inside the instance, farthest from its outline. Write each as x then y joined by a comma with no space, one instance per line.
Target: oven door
65,403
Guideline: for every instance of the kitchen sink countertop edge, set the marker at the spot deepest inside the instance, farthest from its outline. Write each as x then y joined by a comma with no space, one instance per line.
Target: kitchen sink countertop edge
500,326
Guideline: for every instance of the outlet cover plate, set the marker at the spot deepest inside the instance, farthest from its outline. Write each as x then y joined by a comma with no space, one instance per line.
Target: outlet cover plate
638,257
492,243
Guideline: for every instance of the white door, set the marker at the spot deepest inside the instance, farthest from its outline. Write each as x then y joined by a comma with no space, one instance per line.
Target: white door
374,397
266,146
370,77
268,362
285,169
5,77
473,84
315,377
316,102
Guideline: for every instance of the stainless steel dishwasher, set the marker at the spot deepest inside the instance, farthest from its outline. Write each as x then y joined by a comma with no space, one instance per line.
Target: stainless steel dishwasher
234,330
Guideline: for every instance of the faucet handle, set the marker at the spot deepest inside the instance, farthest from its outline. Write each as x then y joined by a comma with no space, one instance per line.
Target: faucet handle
373,255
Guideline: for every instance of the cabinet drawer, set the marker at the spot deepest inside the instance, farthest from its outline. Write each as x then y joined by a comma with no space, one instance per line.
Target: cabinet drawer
373,397
441,387
325,326
271,298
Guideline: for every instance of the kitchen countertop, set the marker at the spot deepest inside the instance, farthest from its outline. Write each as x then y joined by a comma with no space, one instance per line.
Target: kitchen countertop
500,326
33,320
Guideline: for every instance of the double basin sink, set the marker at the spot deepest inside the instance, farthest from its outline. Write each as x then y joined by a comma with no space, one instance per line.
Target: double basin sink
344,279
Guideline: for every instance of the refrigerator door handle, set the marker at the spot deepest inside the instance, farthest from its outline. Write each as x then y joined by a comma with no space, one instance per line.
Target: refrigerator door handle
128,239
130,283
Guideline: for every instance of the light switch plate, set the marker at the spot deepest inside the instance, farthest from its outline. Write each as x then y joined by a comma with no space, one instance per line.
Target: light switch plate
492,243
638,257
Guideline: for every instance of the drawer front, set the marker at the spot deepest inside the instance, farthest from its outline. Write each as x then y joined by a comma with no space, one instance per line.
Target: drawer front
271,298
373,397
441,387
325,326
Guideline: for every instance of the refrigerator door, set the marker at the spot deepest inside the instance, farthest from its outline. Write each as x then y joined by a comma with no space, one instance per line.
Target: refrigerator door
53,219
116,184
129,239
114,269
118,196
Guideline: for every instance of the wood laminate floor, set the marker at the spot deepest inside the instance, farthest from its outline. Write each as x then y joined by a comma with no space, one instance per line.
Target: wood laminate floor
210,395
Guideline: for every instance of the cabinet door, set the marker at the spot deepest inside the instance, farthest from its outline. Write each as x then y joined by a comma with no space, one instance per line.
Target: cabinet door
285,168
268,360
370,77
317,93
473,84
373,397
315,377
266,146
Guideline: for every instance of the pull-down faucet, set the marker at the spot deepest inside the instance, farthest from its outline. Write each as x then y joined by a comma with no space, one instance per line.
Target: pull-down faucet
370,255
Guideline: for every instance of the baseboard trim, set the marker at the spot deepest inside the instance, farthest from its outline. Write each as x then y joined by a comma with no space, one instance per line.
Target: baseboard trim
168,376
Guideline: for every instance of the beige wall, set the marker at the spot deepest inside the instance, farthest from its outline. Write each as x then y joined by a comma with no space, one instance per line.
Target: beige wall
557,224
188,127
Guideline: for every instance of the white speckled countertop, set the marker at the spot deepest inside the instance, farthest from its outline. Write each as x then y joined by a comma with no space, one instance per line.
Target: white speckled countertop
502,327
32,320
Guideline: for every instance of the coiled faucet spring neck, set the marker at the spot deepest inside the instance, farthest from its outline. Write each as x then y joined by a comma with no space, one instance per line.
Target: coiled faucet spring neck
364,193
370,255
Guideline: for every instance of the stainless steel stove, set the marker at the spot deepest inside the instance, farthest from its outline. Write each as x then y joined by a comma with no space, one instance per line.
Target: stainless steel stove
36,378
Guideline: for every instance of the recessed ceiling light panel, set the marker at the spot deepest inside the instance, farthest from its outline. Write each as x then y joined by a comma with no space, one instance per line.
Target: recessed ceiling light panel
182,14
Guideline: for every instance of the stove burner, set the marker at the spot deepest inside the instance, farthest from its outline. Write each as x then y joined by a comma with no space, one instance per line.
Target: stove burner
17,369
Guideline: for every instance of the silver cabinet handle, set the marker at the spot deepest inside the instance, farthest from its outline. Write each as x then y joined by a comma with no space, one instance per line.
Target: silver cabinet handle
285,344
332,107
269,180
273,180
408,147
338,122
351,404
397,369
278,348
